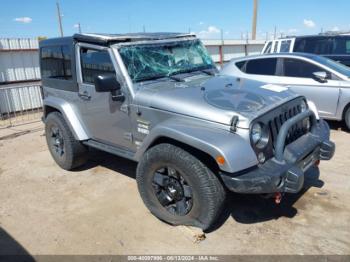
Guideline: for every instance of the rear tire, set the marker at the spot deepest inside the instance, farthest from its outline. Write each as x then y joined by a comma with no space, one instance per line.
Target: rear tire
178,188
67,152
347,118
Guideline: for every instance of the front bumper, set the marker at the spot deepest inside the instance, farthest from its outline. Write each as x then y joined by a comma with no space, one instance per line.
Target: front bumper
285,172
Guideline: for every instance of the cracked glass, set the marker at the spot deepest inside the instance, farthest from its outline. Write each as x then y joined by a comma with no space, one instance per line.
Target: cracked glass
153,61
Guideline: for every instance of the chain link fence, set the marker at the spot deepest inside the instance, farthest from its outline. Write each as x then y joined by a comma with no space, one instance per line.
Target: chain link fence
20,104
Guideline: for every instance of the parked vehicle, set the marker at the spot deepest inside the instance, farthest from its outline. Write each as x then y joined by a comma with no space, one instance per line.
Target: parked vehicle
335,47
156,99
321,80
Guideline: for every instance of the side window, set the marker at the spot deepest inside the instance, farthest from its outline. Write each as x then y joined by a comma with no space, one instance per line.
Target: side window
240,65
314,46
341,46
94,63
56,62
265,66
275,47
299,68
268,48
285,46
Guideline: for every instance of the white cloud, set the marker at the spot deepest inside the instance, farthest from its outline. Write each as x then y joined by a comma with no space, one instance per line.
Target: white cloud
211,32
24,20
335,28
76,25
201,23
292,31
309,23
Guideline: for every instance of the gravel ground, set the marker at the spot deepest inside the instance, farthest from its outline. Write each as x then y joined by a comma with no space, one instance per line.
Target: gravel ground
97,209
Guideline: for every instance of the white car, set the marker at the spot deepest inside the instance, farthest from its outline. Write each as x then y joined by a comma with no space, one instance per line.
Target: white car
321,80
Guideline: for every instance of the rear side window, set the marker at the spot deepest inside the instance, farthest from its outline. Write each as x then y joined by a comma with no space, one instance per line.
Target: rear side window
268,48
319,46
265,66
94,63
341,46
299,68
275,47
240,65
56,62
285,46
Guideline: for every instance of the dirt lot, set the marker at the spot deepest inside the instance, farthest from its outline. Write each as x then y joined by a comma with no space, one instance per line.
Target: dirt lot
97,210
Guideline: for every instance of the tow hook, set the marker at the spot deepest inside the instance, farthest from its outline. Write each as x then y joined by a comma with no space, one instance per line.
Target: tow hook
317,163
278,198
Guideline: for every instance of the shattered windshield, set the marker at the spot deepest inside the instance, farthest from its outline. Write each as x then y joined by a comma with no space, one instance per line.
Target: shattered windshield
152,61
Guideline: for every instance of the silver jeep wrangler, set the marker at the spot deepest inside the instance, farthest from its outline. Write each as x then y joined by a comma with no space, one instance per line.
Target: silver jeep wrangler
159,100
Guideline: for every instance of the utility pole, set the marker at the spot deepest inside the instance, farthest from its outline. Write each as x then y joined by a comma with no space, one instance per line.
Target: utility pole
79,28
275,33
255,15
59,16
144,28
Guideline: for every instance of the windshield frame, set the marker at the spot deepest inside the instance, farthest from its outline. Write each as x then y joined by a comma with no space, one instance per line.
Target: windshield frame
170,42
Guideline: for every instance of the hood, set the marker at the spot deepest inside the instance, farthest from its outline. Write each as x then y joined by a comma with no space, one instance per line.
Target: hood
217,98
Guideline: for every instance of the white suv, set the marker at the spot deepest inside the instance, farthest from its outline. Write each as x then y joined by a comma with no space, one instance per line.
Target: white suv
335,47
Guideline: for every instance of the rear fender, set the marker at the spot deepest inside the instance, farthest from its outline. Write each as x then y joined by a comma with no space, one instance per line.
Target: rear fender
69,114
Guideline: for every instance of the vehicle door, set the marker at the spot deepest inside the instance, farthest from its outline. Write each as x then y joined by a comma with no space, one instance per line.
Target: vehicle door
106,119
299,75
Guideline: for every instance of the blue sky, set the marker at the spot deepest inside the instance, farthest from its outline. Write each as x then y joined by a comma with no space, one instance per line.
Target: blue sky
32,18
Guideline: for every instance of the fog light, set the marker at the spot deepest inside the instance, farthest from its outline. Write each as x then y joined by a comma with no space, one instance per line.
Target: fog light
261,157
307,124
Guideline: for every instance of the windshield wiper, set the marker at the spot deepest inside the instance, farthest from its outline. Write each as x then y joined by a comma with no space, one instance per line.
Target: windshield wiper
176,78
208,71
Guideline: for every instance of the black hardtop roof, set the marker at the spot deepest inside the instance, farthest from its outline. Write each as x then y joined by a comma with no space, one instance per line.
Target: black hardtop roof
107,39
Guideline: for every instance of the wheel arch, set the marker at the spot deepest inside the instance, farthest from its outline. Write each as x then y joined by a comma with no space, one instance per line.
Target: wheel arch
53,104
346,107
203,141
204,157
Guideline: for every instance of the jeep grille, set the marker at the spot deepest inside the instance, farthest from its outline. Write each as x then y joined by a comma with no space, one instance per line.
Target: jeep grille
294,133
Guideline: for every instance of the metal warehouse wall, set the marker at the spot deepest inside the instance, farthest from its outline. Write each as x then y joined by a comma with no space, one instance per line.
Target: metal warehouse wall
224,51
19,61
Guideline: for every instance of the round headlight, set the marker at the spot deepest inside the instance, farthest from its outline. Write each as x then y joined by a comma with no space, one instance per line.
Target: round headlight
256,133
303,106
260,135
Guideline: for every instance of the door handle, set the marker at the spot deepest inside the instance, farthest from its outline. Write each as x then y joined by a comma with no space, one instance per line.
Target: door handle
85,95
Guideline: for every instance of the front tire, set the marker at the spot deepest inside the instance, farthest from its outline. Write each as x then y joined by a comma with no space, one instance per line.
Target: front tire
178,188
67,152
347,118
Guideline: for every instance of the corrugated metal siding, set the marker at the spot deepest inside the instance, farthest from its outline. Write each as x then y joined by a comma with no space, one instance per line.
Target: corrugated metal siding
19,60
19,66
18,43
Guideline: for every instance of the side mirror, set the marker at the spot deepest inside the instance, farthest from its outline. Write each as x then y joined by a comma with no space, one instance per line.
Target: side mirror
109,83
320,76
106,83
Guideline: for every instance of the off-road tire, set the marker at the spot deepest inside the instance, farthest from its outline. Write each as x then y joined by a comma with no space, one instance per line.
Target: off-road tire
208,192
75,153
347,118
